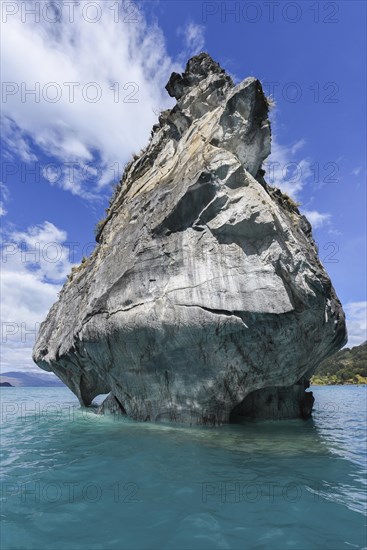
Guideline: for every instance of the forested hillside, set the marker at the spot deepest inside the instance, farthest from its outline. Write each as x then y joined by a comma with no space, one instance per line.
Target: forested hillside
347,366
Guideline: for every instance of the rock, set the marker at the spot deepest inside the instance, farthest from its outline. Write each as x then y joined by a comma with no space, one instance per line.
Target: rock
275,403
111,405
205,293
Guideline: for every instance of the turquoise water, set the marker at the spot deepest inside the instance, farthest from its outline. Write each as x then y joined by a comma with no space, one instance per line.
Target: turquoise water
75,480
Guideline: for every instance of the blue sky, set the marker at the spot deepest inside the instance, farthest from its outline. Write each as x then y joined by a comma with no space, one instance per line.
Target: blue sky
98,73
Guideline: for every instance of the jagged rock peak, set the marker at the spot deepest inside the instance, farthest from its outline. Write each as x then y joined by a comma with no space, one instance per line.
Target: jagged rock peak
239,122
198,69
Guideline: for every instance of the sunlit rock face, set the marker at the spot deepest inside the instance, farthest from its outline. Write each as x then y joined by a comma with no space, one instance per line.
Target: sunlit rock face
205,300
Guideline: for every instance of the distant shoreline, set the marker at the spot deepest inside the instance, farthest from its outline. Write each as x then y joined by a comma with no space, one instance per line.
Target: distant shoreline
321,382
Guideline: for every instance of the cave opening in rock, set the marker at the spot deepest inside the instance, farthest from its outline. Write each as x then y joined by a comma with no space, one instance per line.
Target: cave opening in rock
275,403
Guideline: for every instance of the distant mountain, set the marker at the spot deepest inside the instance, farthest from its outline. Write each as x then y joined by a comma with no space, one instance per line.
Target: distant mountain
5,384
347,366
30,379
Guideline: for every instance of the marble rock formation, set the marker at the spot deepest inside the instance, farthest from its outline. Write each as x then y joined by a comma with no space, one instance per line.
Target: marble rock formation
205,300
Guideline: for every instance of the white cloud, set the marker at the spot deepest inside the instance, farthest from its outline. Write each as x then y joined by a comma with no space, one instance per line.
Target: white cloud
4,193
16,146
42,246
356,315
290,171
297,146
335,232
34,264
3,210
356,171
287,170
317,219
193,37
126,64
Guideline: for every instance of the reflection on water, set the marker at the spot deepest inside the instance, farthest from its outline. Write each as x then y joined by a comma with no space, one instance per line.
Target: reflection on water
75,480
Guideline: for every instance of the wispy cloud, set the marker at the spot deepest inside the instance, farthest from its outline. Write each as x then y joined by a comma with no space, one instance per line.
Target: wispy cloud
4,194
193,39
15,144
356,171
286,168
317,219
291,171
3,210
95,87
356,315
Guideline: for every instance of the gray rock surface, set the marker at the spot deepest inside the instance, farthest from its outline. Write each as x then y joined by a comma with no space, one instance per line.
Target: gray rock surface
206,284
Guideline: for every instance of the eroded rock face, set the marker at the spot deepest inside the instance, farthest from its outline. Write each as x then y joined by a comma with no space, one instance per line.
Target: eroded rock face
206,285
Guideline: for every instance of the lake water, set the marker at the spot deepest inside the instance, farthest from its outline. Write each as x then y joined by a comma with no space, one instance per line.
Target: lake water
73,480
